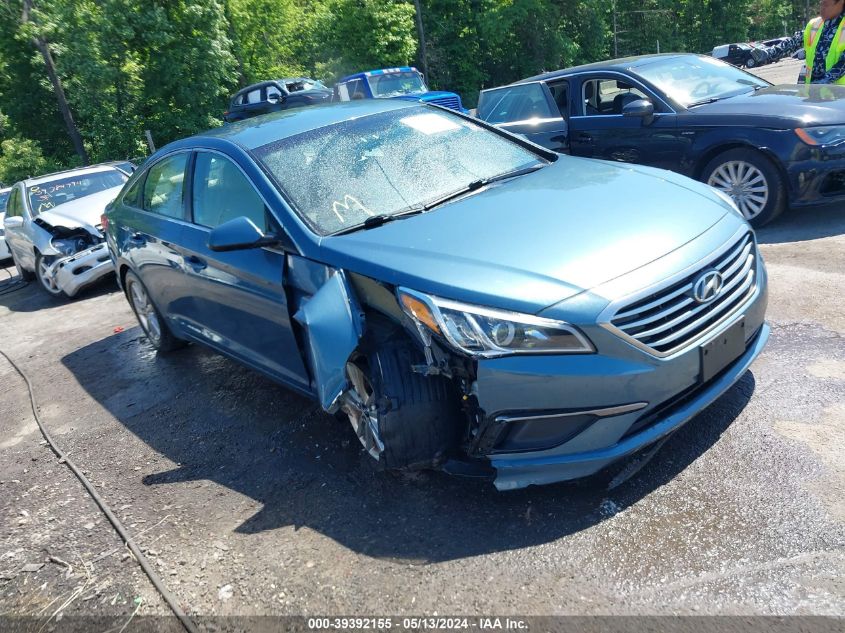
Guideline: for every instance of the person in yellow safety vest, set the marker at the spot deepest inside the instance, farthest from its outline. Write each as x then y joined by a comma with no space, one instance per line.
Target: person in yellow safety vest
823,41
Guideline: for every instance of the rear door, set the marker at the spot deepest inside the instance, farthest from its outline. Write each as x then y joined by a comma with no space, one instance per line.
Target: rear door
529,109
600,130
235,301
149,223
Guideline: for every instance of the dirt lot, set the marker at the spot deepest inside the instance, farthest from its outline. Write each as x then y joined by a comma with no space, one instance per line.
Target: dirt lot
249,500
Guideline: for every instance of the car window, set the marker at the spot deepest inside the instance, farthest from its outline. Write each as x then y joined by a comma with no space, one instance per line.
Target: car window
14,208
4,196
338,175
253,96
164,187
398,83
273,90
51,193
351,90
607,97
133,195
514,103
221,193
560,94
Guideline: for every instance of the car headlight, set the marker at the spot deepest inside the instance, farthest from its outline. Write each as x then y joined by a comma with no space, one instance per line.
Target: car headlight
485,332
822,135
729,201
69,246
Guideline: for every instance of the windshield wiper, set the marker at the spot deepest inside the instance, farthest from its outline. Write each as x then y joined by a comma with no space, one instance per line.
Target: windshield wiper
378,220
475,185
704,102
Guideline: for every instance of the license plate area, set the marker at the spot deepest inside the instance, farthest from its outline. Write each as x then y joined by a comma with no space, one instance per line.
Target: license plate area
722,350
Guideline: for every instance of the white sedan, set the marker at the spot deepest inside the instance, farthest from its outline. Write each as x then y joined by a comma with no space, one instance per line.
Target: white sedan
53,227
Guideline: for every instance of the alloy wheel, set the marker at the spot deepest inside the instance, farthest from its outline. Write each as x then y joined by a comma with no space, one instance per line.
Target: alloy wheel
360,406
743,182
47,282
146,313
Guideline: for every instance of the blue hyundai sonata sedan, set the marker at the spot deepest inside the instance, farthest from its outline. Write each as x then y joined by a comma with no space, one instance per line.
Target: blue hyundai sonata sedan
467,299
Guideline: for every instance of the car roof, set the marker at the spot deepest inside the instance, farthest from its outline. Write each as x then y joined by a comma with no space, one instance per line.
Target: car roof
257,131
379,71
623,63
79,171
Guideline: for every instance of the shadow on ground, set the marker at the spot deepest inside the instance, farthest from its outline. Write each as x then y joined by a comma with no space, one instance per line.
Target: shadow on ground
799,225
19,296
226,424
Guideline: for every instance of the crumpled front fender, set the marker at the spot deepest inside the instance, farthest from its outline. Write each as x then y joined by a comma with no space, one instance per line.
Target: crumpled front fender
334,323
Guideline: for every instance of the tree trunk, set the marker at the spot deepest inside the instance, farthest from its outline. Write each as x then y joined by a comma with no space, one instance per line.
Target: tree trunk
44,48
421,36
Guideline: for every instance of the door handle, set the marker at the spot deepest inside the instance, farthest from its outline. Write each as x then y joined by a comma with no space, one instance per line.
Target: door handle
583,136
196,263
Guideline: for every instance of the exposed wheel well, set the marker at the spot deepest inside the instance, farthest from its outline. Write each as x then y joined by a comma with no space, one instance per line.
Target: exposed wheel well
122,275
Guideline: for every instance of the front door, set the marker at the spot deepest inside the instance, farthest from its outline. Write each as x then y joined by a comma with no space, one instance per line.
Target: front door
235,301
602,131
16,229
528,109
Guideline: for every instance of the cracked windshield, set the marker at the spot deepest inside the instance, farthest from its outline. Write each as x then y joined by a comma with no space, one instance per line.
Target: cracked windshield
47,195
340,175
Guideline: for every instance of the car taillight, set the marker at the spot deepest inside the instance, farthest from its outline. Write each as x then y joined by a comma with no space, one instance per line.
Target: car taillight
104,222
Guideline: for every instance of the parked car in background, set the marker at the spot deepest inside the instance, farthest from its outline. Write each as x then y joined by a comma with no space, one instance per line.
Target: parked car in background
768,147
53,227
469,300
405,83
742,55
275,95
4,249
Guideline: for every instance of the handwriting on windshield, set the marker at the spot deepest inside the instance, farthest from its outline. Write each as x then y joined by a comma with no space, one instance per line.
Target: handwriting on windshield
349,204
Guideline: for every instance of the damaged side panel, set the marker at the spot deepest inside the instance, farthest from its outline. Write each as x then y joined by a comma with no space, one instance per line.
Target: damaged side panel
334,323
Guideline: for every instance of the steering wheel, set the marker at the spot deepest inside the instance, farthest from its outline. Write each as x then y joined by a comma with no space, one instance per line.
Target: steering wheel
702,89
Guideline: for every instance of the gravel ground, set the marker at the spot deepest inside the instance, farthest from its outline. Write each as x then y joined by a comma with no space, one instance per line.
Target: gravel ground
250,501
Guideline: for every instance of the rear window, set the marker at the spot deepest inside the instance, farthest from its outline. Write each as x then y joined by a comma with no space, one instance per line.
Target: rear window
339,175
4,195
48,195
514,103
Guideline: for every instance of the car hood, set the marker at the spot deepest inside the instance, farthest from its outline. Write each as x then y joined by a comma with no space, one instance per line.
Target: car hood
80,213
790,105
530,242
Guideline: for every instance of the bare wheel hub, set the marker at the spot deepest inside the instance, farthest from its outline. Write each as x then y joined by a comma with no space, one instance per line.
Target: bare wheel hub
360,405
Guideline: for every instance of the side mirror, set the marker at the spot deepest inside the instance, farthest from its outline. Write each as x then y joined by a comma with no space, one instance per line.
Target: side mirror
238,234
275,98
13,222
642,108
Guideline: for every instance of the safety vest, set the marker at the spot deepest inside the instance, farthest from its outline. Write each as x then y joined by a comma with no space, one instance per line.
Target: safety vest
812,35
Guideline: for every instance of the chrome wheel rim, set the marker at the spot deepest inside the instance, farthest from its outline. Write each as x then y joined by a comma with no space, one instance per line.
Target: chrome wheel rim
743,182
47,282
360,406
145,312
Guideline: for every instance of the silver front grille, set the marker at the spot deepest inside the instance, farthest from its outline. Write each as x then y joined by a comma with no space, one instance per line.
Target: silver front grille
671,318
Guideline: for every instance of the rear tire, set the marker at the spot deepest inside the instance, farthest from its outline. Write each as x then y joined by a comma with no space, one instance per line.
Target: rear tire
752,180
404,420
149,318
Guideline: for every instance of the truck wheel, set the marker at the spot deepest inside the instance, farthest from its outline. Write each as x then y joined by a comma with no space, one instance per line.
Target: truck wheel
47,283
402,418
149,318
752,180
25,275
750,63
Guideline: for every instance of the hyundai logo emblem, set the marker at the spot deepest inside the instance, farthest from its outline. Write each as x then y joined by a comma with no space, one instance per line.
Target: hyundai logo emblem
708,286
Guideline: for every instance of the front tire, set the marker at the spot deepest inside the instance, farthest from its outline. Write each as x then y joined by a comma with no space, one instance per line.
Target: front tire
750,63
404,420
47,283
752,180
149,318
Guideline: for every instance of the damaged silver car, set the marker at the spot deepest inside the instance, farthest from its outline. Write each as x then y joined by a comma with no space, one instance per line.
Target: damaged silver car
471,301
53,228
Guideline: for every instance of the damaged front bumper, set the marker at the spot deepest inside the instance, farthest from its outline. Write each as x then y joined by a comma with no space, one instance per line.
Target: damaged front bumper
81,269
